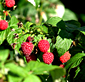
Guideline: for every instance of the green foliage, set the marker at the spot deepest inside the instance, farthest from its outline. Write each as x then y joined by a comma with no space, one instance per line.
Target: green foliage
41,21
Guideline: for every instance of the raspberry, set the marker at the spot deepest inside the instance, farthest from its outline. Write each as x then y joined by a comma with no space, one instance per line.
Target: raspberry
10,3
48,57
64,58
27,48
30,57
43,45
3,25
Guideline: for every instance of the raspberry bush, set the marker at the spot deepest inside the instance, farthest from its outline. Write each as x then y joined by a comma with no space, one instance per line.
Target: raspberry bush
39,49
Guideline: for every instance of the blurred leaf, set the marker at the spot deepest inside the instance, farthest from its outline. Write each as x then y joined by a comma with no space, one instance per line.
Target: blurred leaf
57,73
17,70
82,29
74,59
74,22
53,1
69,15
4,54
54,20
12,78
62,45
40,68
37,2
32,78
50,11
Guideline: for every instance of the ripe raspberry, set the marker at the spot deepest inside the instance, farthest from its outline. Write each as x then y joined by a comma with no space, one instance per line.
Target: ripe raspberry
10,3
48,57
64,58
3,25
27,48
30,57
43,45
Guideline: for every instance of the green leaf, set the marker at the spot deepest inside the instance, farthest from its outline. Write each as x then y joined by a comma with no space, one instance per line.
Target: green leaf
57,73
61,25
13,78
17,70
39,67
74,59
54,20
82,29
62,45
10,37
3,35
32,78
27,25
37,2
4,54
13,22
53,1
74,22
77,71
44,28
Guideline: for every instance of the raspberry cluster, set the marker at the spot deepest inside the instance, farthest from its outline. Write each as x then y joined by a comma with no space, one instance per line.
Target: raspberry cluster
43,45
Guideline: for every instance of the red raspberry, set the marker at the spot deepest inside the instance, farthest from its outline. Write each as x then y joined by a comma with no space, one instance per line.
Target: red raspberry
48,57
3,25
43,45
30,57
64,58
10,3
27,48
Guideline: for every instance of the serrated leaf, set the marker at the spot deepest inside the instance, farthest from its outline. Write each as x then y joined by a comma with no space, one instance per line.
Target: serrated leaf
62,45
17,70
54,20
74,59
40,68
32,78
4,54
